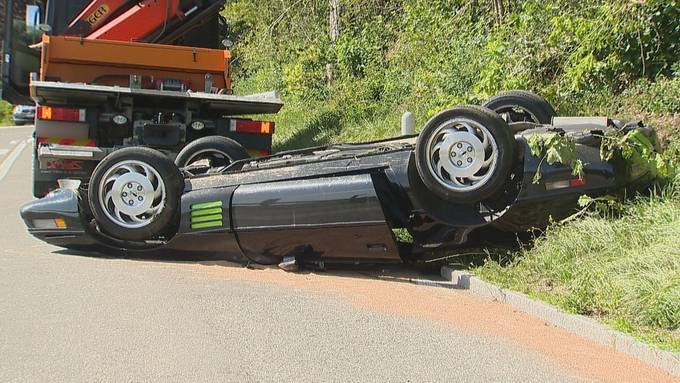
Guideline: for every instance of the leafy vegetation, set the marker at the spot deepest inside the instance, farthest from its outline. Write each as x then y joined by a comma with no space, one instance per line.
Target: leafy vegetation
555,148
5,113
416,55
589,57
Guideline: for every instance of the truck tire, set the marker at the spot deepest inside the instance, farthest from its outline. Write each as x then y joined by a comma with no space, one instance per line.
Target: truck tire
465,154
521,105
218,150
134,193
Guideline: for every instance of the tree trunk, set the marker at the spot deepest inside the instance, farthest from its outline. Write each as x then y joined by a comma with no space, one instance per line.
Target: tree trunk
334,32
498,10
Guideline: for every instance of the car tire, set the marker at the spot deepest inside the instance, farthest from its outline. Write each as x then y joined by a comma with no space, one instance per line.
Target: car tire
134,193
219,150
521,105
479,153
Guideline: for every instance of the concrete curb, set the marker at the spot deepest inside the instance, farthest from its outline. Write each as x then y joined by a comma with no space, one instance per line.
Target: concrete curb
418,281
577,324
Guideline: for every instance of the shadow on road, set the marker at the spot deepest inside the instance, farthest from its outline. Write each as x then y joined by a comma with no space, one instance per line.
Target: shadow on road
392,272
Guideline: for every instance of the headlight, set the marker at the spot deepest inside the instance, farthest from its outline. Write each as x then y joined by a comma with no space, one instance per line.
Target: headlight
197,125
120,119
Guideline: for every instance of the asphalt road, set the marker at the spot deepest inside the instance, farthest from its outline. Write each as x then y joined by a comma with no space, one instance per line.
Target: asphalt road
82,317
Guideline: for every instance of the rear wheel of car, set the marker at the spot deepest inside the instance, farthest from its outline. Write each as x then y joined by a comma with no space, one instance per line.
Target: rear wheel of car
212,151
134,193
522,106
465,154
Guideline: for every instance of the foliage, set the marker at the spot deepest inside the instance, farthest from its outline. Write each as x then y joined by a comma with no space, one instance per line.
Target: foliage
555,148
5,113
422,56
638,152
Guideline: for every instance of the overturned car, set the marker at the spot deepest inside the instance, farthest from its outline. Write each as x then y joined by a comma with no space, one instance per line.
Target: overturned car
470,173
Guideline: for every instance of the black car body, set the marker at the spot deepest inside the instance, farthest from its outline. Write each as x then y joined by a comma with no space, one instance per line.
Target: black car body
343,203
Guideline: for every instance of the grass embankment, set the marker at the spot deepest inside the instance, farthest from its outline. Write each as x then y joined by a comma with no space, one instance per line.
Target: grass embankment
621,267
623,270
587,57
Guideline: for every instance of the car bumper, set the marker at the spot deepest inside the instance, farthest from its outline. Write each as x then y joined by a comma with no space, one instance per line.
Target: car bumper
23,118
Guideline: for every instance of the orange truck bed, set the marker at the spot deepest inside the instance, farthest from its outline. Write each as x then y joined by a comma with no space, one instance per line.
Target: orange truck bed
102,62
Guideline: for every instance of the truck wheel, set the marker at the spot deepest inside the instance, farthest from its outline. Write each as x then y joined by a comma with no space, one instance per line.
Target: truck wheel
521,105
134,193
216,151
465,154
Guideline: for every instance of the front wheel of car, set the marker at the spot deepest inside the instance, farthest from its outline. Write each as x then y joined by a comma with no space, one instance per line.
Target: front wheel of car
134,193
465,154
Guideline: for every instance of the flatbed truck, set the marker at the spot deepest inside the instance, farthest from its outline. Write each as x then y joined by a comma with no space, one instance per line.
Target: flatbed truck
112,74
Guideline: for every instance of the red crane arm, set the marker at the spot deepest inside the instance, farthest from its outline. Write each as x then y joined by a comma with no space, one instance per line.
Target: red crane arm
96,14
130,20
139,21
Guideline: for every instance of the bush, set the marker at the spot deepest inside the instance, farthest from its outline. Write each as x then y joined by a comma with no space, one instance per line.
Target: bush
5,113
422,56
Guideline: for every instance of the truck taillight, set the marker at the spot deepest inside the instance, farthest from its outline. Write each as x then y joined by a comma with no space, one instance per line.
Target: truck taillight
60,114
250,126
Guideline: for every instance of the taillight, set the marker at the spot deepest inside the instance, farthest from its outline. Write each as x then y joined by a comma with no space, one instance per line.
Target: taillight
250,126
576,182
60,114
564,184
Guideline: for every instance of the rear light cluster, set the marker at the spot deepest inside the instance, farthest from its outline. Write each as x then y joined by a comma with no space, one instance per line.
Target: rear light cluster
250,126
60,114
564,184
51,223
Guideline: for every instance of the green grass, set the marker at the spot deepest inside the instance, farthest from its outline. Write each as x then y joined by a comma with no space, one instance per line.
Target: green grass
308,124
623,270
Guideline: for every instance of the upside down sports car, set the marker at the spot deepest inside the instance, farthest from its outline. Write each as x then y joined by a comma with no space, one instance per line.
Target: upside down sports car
470,170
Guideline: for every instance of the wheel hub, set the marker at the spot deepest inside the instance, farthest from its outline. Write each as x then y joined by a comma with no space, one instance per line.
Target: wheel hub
133,193
462,154
465,154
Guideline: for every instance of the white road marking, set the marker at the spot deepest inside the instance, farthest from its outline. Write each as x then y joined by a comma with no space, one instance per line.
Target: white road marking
11,159
13,142
3,151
